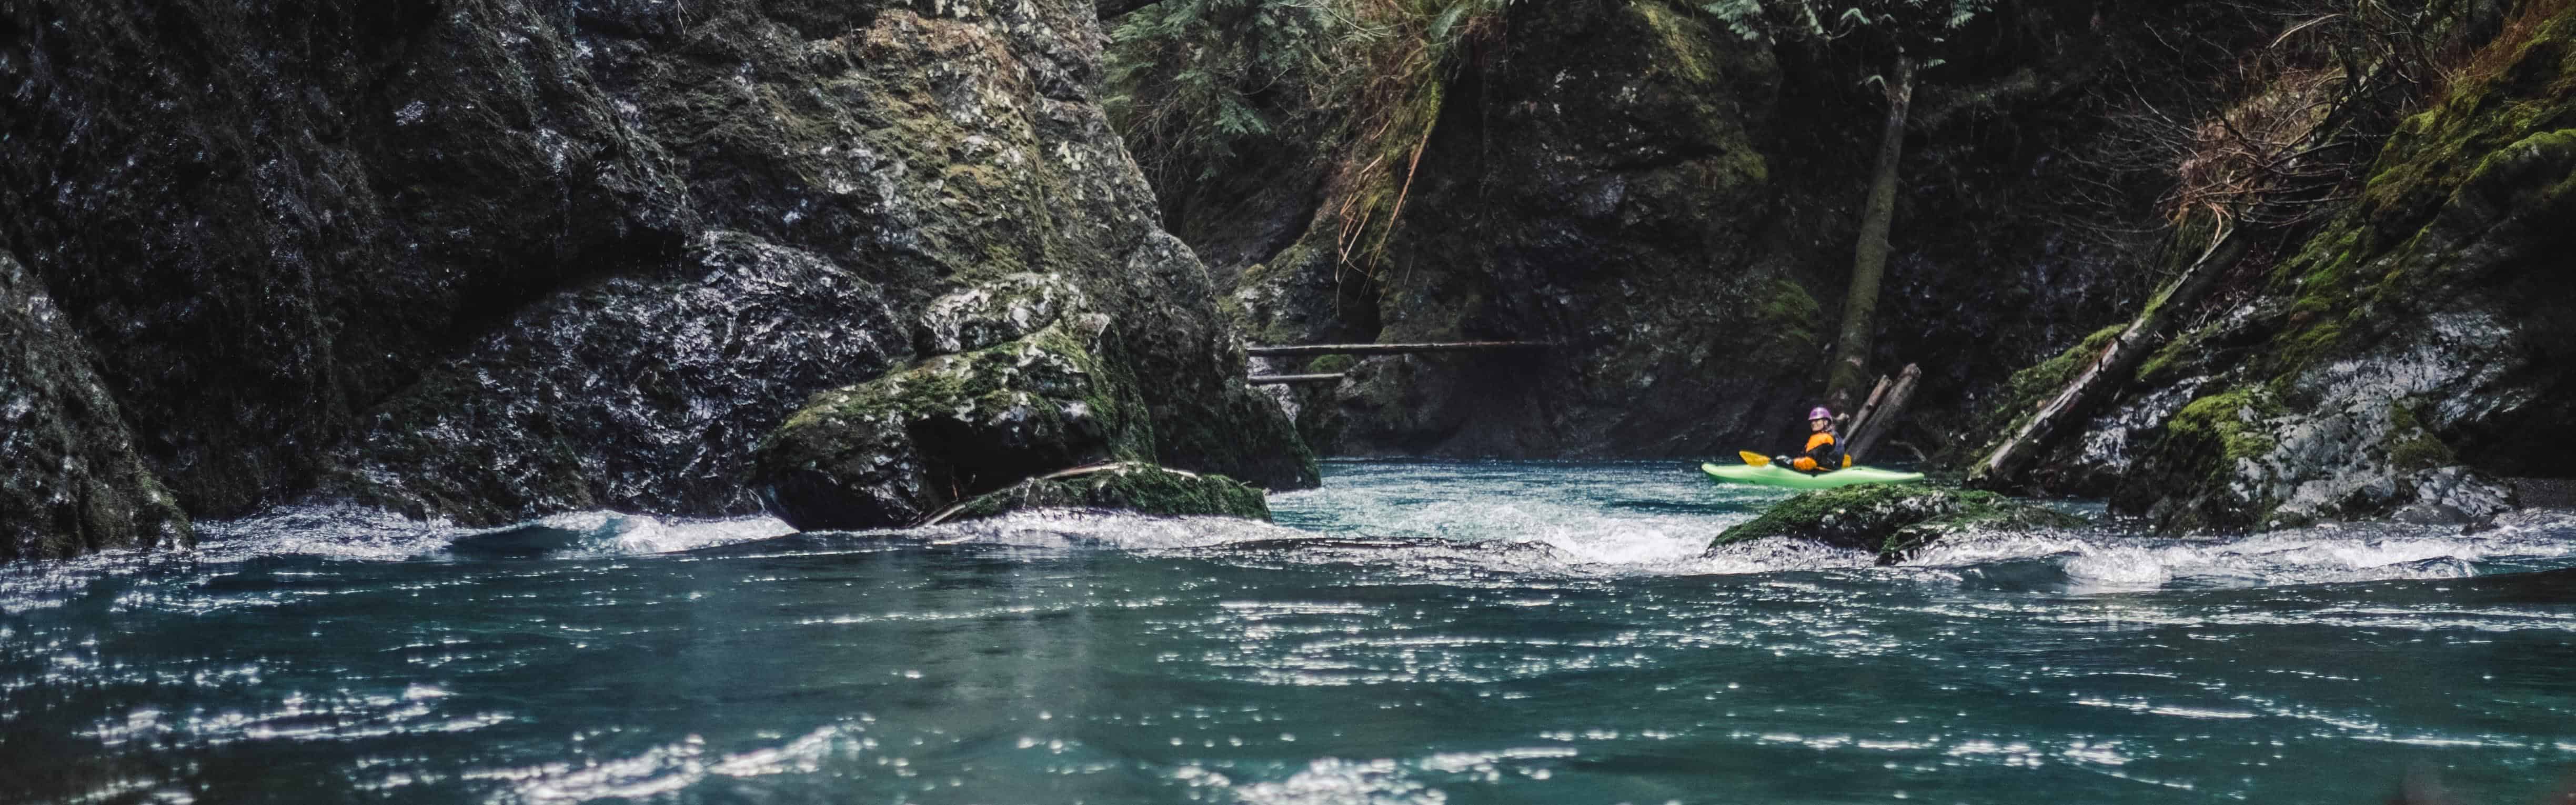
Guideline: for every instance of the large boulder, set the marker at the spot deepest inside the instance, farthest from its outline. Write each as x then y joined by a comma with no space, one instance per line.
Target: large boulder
493,259
1893,520
69,480
891,451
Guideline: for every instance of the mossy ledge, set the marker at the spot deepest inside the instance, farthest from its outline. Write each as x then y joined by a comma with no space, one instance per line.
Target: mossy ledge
1124,486
1893,521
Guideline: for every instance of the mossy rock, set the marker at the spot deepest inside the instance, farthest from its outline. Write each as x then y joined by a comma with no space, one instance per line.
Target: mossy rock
1893,520
1133,487
891,451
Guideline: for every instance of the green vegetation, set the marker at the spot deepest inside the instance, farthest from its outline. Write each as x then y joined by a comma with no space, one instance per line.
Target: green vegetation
2414,446
1331,364
2508,110
991,384
2228,421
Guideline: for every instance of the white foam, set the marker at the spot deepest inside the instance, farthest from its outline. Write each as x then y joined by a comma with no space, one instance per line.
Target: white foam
367,534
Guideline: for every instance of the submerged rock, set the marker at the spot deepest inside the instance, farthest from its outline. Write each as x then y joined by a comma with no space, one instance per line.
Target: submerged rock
1893,520
69,480
1140,488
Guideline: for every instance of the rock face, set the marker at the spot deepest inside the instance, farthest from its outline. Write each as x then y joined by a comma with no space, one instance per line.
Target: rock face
1675,207
495,258
69,480
1605,181
1141,488
1893,520
2411,355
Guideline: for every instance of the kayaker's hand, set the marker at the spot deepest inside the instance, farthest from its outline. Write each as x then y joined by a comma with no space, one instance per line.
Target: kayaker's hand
1780,460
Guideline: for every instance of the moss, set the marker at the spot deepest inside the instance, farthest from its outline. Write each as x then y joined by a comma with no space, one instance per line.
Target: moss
1050,362
888,451
1331,364
1893,520
1685,38
2177,353
2414,447
1787,314
1140,488
2222,420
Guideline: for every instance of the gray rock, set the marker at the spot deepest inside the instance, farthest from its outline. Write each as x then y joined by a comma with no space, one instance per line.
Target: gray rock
495,259
70,483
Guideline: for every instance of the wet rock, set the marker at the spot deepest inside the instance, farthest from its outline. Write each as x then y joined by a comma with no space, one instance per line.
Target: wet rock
492,260
891,451
1003,310
2413,355
635,394
1139,488
70,483
1893,520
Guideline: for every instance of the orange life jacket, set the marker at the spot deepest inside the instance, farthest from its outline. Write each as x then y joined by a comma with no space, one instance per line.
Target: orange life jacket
1808,463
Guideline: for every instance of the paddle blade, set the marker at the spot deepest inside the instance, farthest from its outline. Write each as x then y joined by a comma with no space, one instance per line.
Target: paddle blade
1754,459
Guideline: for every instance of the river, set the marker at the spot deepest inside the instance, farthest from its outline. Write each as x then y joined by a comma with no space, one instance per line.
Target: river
1413,632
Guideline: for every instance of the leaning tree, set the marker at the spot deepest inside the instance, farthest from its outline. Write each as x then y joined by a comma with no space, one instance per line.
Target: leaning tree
1898,39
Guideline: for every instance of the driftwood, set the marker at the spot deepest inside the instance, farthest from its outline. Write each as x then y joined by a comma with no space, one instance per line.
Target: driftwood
1867,409
2110,369
1308,350
1883,418
1277,380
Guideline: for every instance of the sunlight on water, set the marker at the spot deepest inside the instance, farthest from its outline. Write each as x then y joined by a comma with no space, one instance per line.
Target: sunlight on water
1414,632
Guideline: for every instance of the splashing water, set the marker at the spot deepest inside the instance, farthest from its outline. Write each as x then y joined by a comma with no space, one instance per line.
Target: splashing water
1411,633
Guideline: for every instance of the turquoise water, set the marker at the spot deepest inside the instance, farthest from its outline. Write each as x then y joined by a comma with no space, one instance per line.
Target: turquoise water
1411,633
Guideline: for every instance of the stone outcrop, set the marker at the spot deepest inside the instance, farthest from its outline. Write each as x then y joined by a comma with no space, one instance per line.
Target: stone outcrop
2408,358
1893,520
491,259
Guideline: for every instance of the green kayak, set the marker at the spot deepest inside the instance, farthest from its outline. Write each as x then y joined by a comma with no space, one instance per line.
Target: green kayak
1793,479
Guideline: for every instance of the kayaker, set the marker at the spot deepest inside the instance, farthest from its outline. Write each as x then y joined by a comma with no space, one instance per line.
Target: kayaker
1823,454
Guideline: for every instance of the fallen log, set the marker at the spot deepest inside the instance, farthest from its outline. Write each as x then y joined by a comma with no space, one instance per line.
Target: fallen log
1861,420
2111,368
1883,419
1309,350
1279,380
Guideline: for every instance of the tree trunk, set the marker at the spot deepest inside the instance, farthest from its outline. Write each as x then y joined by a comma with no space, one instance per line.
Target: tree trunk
1850,372
2111,369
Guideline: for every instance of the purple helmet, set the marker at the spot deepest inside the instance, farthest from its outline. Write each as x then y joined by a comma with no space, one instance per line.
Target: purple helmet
1819,413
